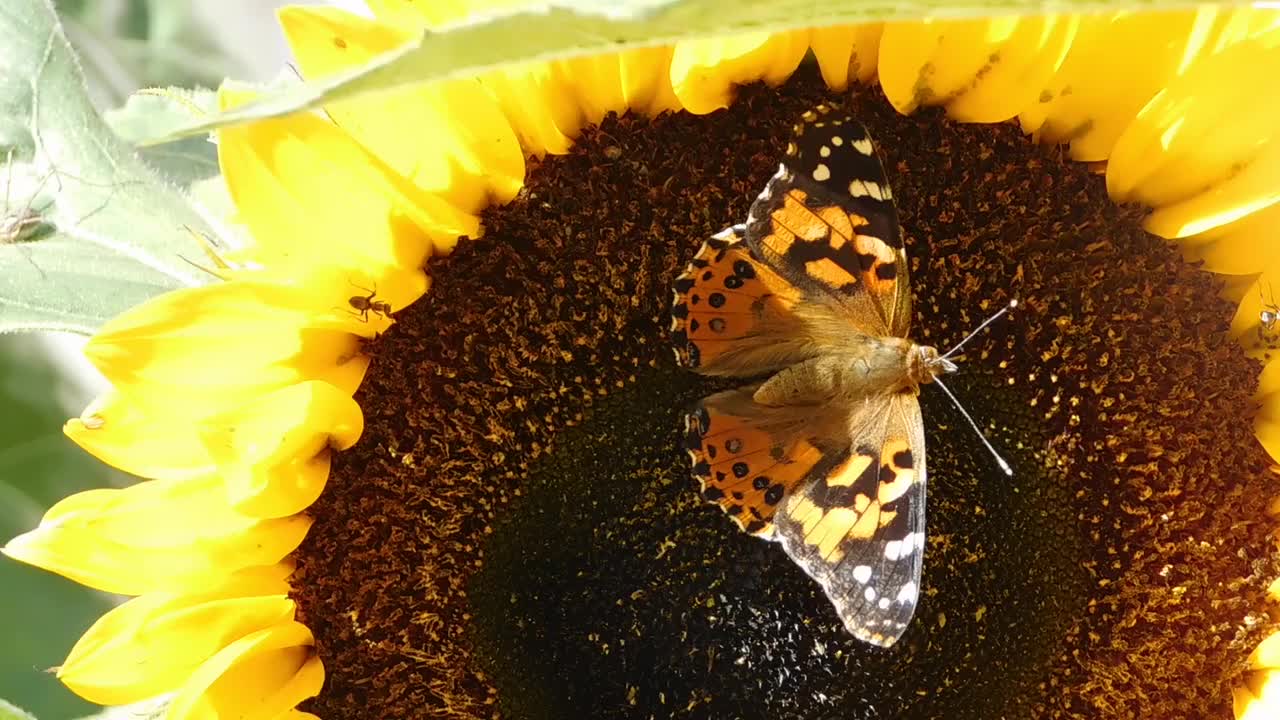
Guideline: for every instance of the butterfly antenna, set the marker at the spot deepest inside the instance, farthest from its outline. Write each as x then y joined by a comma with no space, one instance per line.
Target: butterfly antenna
1012,304
1003,465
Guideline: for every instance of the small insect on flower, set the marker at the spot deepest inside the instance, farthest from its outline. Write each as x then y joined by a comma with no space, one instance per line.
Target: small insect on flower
1269,315
1267,333
19,224
365,304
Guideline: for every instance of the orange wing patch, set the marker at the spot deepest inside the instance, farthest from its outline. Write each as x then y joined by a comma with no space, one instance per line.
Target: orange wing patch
743,469
721,298
897,471
840,506
825,241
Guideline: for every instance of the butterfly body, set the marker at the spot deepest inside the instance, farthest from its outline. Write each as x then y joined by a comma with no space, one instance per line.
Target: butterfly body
868,366
826,455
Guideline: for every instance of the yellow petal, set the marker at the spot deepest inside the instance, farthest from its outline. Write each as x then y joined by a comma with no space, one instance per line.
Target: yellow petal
1267,654
981,70
1266,423
154,536
615,82
258,677
1241,698
596,84
703,72
1254,187
1264,704
468,158
1090,104
847,53
537,101
238,336
646,80
151,644
1241,247
274,453
1202,130
300,183
150,440
1268,392
1241,23
536,98
189,354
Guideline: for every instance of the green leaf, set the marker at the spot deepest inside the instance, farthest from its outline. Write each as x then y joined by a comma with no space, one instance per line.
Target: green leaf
9,711
185,161
553,29
42,614
89,230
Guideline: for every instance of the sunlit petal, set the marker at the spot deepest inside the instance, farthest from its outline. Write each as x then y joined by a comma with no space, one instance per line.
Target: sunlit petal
703,72
274,453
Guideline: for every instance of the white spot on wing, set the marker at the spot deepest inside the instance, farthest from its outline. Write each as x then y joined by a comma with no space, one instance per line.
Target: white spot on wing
862,574
837,140
869,594
898,549
884,603
822,173
824,151
863,146
893,550
908,593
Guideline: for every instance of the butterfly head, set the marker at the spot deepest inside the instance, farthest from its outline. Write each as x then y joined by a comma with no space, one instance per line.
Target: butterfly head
927,364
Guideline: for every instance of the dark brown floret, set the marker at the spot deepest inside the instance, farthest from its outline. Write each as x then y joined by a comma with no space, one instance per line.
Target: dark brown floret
517,533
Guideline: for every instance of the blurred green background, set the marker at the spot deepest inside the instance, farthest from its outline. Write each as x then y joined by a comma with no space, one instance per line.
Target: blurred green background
123,45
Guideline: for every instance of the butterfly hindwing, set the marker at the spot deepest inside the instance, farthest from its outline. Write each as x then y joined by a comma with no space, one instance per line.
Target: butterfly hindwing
827,222
747,459
858,527
840,485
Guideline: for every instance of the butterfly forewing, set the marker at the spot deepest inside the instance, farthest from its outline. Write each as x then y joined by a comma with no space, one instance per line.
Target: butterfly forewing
826,221
733,315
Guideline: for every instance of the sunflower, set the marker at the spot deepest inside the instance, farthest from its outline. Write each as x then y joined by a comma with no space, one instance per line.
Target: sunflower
480,508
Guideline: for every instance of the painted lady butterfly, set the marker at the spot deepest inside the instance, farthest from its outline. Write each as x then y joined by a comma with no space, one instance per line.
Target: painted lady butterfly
827,455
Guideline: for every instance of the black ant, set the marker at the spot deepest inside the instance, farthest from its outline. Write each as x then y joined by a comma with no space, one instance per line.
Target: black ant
366,304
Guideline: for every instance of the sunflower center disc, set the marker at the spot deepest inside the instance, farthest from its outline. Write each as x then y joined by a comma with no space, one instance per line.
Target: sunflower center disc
517,533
